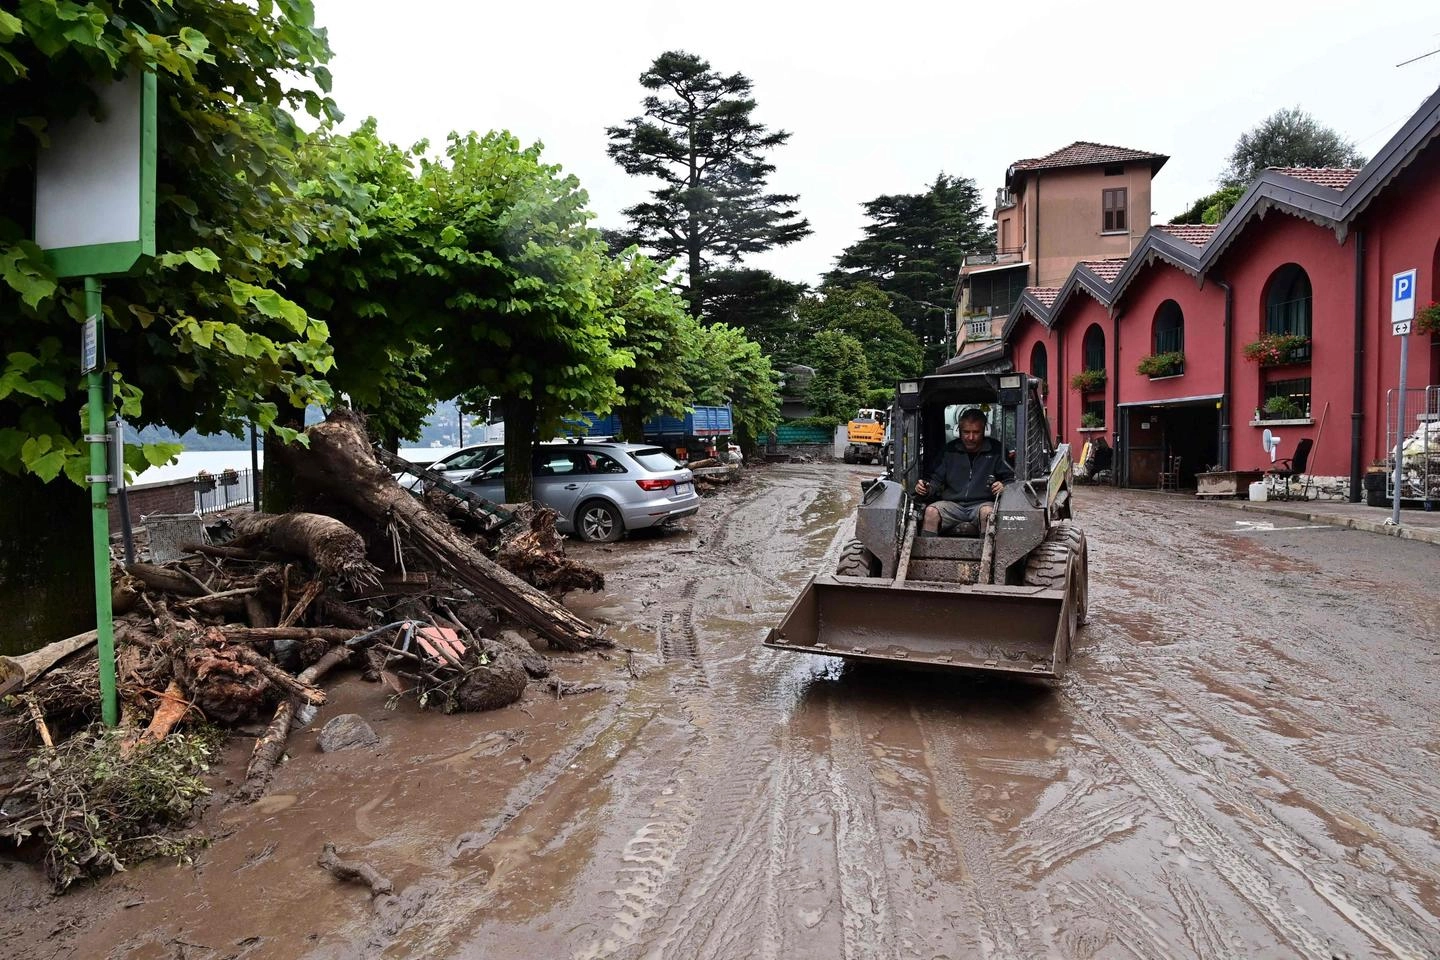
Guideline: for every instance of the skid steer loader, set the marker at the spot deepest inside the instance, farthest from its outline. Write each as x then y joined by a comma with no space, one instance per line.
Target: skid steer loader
1008,598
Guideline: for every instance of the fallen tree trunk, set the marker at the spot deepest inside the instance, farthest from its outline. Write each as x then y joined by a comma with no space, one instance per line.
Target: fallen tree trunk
258,634
336,551
340,463
19,672
271,746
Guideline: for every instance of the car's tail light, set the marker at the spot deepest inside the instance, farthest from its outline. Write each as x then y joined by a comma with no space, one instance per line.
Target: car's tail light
655,484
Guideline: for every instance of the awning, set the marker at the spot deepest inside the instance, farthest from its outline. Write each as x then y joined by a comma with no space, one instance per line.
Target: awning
1175,401
998,266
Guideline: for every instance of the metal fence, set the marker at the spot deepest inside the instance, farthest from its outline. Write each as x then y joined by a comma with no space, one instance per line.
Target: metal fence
1420,472
225,490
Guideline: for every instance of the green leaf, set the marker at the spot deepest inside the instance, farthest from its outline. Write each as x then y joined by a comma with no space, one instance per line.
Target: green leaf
26,275
10,27
159,454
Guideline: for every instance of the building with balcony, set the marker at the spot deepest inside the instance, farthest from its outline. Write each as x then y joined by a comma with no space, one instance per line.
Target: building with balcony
1086,201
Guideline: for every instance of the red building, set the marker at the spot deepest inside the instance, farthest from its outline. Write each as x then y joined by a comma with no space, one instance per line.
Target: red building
1278,318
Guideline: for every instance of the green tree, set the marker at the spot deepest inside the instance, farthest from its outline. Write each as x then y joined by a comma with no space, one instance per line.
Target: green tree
1213,207
698,138
507,236
1289,137
842,375
758,302
913,247
658,334
862,312
203,338
728,367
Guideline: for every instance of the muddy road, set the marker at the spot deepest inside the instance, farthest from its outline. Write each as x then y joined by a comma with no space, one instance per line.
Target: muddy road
1243,762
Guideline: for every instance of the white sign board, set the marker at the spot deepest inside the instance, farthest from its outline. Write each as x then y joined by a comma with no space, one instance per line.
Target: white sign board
95,183
1402,302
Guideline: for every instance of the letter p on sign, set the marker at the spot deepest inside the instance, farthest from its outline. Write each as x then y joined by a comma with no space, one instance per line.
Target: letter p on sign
1402,302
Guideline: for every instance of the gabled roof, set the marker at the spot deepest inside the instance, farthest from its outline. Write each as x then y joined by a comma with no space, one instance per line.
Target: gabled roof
1045,296
1337,178
1035,301
1082,277
1083,153
1106,270
1195,234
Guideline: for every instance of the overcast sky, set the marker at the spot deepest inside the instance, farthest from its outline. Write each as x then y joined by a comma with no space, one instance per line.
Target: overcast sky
881,97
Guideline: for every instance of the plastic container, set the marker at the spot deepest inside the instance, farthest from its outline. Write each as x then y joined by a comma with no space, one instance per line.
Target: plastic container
1257,491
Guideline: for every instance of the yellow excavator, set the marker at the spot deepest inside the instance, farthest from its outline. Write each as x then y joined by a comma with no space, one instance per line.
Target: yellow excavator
1006,599
865,437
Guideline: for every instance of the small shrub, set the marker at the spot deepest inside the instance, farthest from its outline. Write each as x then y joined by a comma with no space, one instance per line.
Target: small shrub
1091,421
1161,364
1428,319
1282,408
1273,349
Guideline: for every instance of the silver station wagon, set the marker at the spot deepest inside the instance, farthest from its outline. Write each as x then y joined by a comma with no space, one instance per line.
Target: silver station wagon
601,490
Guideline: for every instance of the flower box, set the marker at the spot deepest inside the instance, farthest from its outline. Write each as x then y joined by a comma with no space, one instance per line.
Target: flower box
1169,364
1278,349
1427,320
1088,381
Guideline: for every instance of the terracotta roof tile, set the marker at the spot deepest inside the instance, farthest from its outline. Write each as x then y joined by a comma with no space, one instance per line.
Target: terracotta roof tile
1046,295
1081,153
1195,234
1336,178
1106,270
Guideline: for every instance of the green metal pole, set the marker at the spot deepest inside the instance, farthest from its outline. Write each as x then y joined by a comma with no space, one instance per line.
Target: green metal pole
100,513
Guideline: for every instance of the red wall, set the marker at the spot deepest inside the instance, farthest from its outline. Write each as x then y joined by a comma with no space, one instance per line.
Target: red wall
1204,313
1262,248
1028,332
1402,230
1079,312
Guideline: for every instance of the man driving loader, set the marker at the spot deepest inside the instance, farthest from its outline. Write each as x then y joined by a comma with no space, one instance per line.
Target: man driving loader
970,474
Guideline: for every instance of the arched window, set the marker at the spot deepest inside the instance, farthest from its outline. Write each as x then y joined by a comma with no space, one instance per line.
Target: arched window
1039,362
1169,328
1287,302
1094,348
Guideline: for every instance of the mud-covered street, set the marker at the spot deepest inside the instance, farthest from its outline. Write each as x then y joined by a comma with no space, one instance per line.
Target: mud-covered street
1244,761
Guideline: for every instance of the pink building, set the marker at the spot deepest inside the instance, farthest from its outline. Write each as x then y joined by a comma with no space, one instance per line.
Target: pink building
1201,338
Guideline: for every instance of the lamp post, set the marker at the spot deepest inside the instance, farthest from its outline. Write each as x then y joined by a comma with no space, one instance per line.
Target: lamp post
951,340
95,218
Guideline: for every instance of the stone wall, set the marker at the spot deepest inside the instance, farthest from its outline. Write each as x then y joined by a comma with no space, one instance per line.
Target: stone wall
1321,488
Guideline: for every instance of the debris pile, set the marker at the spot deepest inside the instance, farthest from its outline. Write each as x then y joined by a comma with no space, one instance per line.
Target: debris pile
243,632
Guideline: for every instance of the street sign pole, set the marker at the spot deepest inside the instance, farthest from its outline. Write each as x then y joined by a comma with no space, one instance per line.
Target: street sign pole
1402,315
99,480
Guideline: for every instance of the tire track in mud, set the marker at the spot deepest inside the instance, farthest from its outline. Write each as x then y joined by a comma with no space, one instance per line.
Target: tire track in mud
1003,934
677,900
1235,865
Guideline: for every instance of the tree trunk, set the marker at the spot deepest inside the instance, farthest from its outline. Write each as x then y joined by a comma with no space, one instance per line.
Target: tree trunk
341,464
336,551
47,589
519,444
632,424
278,490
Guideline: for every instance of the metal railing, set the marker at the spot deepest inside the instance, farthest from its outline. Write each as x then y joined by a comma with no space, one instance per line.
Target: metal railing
229,488
980,328
1001,255
1289,317
1420,470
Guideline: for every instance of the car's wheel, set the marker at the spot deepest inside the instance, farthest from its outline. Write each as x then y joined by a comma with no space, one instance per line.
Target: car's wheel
856,561
599,522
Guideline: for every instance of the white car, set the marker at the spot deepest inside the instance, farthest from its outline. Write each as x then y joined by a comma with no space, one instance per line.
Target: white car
459,465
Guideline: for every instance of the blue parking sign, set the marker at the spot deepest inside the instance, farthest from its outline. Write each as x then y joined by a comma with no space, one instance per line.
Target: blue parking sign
1402,296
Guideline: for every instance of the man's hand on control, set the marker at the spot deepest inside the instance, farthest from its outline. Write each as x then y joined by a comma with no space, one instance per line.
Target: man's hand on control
922,488
996,487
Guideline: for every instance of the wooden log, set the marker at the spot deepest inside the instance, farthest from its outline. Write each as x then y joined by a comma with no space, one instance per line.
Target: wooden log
236,634
307,596
17,673
172,708
345,870
166,581
340,463
277,675
336,551
271,746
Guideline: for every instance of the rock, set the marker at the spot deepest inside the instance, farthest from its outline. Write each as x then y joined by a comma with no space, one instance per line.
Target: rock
346,732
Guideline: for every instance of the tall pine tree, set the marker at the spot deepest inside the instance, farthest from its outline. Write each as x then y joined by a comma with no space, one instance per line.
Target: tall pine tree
697,138
912,250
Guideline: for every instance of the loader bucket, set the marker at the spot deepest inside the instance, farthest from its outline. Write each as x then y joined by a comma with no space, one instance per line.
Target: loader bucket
1006,629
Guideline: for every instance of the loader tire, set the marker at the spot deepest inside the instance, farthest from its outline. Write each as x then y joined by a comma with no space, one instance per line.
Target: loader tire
1045,567
856,561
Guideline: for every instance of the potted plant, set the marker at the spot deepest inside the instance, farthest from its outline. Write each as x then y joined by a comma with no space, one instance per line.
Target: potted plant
1282,408
1091,421
1088,381
1428,319
229,477
1274,349
1168,364
204,481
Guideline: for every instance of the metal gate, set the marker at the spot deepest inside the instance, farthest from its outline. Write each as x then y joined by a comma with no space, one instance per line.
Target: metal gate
1420,472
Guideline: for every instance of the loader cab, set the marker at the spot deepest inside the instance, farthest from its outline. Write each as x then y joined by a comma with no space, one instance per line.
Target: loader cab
1014,416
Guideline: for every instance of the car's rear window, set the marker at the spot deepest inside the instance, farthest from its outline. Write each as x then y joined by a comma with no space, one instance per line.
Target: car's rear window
653,458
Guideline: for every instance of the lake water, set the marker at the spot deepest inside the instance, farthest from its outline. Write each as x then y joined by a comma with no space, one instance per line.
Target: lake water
214,461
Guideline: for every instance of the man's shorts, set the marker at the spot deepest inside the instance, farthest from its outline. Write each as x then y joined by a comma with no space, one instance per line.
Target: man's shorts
953,514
